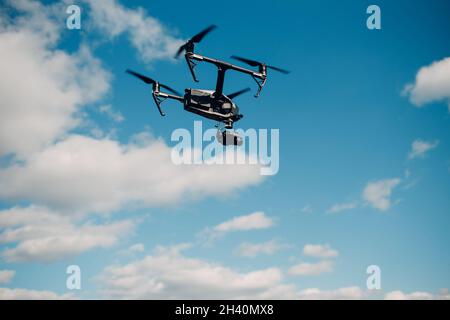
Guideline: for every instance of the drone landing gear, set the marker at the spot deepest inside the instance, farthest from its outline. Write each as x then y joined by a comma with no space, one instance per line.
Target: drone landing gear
260,83
191,64
160,97
158,100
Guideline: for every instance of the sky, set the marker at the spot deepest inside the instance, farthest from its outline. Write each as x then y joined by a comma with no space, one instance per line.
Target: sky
87,179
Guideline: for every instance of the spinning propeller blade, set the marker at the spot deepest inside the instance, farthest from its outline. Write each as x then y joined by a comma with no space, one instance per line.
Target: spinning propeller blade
151,81
195,39
279,69
254,63
238,93
199,36
170,89
142,77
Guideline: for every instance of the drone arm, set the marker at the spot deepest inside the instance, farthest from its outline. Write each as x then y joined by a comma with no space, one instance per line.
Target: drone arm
260,77
160,97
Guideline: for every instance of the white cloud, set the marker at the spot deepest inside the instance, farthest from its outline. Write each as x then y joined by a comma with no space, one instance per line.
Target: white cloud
167,274
432,84
42,88
420,147
399,295
346,293
339,207
6,276
378,193
39,234
149,36
137,247
319,251
256,220
100,175
114,115
417,295
253,221
64,177
311,269
306,209
26,294
247,249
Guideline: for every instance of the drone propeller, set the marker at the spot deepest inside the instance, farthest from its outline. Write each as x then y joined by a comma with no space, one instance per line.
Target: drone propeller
254,63
151,81
238,93
195,39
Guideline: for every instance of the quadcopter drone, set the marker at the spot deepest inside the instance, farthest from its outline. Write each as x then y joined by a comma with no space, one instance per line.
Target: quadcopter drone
210,104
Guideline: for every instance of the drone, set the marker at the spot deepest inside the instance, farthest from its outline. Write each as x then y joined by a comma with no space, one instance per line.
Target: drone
210,104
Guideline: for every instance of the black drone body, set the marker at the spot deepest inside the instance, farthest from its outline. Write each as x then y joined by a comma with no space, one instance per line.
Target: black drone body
210,104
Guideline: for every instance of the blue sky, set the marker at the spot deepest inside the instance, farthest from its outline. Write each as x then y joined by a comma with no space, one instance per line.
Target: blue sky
350,137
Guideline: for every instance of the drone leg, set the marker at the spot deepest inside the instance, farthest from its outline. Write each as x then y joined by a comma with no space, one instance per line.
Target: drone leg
260,84
191,64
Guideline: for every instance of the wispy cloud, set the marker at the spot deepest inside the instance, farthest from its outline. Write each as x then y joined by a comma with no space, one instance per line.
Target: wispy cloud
378,193
253,221
38,234
147,34
6,276
114,115
419,148
319,251
247,249
27,294
306,209
339,207
417,295
345,293
311,269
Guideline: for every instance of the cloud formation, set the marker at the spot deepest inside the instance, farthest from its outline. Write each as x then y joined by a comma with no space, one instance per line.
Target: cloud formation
339,207
432,84
114,115
168,274
253,221
345,293
42,88
378,193
147,34
247,249
39,234
320,251
256,220
66,177
417,295
85,174
6,276
311,269
27,294
419,148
